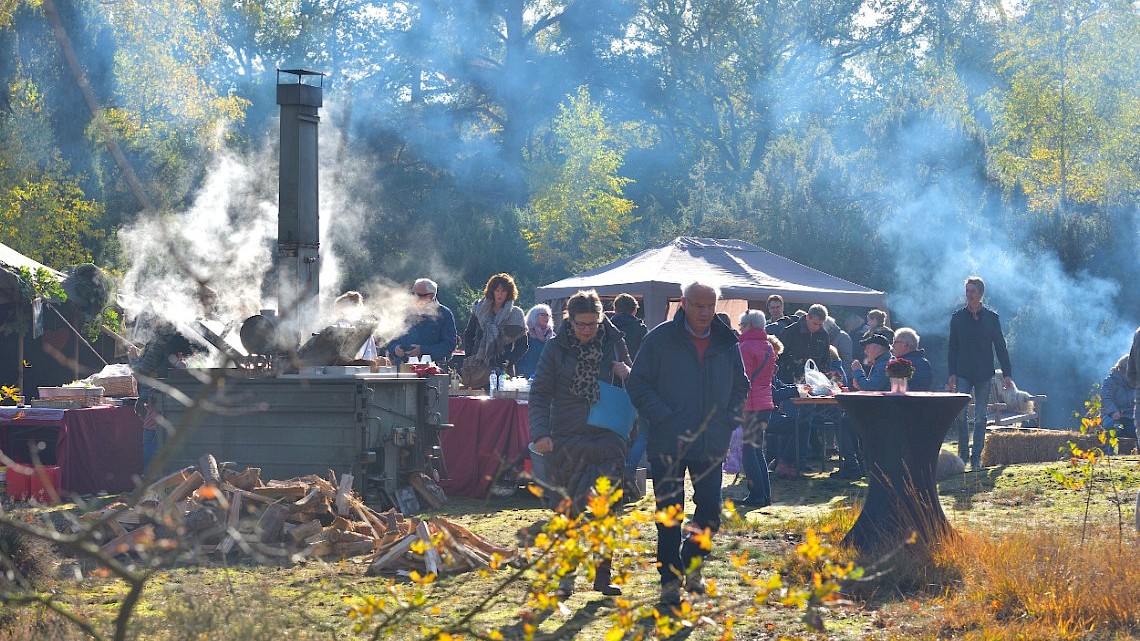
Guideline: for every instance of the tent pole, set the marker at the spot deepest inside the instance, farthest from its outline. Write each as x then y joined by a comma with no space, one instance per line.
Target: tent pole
20,346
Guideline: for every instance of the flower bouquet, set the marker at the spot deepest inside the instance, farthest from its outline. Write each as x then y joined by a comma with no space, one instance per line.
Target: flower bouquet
899,370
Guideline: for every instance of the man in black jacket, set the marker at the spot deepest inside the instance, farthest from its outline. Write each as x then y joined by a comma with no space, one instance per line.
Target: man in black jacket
975,335
626,320
688,385
804,339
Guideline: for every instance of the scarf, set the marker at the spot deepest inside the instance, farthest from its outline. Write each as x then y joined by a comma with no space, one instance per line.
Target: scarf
492,323
588,356
541,335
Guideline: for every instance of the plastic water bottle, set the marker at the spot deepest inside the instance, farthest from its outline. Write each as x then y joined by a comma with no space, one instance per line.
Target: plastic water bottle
504,381
493,383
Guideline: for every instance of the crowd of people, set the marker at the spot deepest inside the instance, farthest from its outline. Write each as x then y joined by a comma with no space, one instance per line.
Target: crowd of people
694,379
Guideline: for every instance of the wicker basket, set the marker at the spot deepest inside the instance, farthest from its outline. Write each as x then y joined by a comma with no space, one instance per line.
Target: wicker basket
118,386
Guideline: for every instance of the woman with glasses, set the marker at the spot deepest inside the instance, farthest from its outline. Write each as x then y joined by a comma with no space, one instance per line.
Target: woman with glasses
496,332
588,349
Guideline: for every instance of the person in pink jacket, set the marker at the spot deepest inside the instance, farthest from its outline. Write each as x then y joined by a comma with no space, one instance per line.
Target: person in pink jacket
759,358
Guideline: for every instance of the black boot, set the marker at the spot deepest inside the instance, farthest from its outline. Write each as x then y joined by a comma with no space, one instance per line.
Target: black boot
602,581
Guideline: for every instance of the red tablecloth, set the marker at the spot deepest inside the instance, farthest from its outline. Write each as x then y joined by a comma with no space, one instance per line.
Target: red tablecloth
98,449
488,433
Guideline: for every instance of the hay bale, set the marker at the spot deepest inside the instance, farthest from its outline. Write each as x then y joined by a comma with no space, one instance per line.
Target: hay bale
1026,445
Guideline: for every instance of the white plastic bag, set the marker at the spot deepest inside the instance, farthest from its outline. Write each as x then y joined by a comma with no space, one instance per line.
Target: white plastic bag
818,383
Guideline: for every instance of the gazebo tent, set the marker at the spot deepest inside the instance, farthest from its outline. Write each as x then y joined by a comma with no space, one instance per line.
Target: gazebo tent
742,270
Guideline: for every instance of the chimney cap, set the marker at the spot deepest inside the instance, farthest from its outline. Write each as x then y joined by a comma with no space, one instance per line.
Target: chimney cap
301,73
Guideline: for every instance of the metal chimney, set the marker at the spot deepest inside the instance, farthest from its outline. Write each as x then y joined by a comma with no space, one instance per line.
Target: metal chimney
298,224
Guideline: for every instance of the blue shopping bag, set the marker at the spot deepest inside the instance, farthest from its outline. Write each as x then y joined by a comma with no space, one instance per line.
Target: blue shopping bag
613,411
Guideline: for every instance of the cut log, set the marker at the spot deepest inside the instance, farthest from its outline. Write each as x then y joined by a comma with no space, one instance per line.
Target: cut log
307,502
342,493
291,492
184,489
232,518
127,542
271,523
431,556
467,537
305,530
246,480
394,551
208,466
353,548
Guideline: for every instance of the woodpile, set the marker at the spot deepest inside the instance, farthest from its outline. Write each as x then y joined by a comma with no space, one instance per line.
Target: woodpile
214,510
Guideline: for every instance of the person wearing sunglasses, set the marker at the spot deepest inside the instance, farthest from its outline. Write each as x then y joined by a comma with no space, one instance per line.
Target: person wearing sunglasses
432,329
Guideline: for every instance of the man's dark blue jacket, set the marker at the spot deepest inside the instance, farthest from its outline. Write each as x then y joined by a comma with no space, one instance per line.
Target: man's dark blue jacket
688,407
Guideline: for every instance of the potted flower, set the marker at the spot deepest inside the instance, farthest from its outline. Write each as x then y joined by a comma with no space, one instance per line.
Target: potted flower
899,370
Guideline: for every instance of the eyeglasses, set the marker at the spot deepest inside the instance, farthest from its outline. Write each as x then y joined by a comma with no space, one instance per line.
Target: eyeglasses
424,295
585,325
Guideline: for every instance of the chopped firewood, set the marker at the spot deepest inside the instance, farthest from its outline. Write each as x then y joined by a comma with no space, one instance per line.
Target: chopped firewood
431,556
342,491
232,518
303,531
225,510
320,548
394,551
199,520
470,538
245,480
271,523
184,489
341,536
352,548
291,492
301,517
126,542
308,501
169,481
208,466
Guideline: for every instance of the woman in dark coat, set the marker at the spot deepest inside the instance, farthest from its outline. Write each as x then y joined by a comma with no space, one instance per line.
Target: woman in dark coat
496,332
588,349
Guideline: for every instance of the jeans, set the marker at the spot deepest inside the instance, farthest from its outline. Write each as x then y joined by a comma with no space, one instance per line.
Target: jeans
675,555
753,458
150,446
981,405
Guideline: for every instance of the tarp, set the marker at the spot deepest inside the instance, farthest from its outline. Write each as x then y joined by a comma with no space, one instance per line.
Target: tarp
742,270
11,261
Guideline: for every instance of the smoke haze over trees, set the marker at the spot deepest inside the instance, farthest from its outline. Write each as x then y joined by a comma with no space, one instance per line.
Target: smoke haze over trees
903,145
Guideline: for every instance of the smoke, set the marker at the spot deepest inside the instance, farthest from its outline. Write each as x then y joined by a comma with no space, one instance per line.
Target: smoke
223,241
1064,330
226,241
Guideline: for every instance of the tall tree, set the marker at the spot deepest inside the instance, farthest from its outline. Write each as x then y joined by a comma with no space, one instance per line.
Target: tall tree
578,215
1066,120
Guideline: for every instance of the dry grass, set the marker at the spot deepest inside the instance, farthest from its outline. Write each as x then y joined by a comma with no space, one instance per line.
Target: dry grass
1036,585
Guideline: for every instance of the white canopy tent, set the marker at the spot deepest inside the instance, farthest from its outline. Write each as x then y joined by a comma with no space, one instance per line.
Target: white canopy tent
742,270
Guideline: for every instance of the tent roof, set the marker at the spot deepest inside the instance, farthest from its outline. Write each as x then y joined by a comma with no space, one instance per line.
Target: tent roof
10,261
742,270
